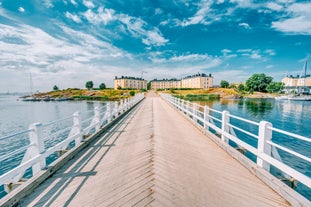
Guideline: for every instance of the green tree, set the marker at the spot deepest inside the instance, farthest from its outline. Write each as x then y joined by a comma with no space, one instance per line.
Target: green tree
258,82
89,85
224,84
132,93
241,87
102,86
55,88
149,85
232,85
275,87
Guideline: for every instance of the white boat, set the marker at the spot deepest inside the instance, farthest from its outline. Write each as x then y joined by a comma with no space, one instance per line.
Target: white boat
286,97
300,98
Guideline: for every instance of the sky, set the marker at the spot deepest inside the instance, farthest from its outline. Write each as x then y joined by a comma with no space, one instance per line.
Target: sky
69,42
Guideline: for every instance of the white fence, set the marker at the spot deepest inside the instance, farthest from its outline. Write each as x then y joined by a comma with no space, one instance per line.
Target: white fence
39,149
266,150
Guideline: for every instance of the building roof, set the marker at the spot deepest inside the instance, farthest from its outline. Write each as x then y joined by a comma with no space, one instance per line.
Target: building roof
128,77
198,75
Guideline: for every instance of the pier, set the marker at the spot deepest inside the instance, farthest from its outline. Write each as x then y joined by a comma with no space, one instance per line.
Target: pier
160,153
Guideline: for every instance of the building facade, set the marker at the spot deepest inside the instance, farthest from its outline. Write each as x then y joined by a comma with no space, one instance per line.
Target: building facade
297,84
200,80
165,84
129,82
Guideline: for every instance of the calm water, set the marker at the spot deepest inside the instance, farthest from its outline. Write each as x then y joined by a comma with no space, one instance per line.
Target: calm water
291,116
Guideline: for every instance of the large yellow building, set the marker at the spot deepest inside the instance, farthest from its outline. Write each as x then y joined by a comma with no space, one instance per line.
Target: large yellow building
129,82
199,80
297,84
165,84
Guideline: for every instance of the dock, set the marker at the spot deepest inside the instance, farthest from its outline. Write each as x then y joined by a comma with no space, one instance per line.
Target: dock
154,156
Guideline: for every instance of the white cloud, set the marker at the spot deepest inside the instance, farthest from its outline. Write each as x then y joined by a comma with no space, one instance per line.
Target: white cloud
296,25
245,25
255,55
225,52
48,4
21,9
53,60
200,16
73,17
243,3
296,21
103,16
244,50
274,6
88,4
158,11
74,2
154,38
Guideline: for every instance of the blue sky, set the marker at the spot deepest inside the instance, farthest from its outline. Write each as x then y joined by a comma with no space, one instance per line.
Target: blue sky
68,42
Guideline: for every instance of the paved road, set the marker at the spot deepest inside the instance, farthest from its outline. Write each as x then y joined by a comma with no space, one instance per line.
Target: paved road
154,157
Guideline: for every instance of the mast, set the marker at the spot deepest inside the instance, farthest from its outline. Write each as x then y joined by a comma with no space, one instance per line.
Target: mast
31,84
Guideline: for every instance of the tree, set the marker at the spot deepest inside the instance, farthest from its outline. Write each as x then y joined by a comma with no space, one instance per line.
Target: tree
275,87
89,85
149,85
132,93
102,86
241,87
55,88
224,84
258,82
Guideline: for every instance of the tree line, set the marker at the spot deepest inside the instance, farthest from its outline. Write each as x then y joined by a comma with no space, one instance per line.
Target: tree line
89,85
257,82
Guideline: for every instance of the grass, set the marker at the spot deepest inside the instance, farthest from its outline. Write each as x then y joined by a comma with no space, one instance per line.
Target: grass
84,94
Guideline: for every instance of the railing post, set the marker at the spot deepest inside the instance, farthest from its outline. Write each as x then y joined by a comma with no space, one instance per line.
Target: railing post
77,126
188,108
195,108
116,111
224,125
183,105
206,118
108,112
265,134
97,118
36,138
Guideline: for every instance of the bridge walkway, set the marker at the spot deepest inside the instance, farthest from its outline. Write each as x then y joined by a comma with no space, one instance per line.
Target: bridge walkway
153,157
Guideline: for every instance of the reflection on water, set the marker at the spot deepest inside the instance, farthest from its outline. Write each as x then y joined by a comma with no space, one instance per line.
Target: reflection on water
291,116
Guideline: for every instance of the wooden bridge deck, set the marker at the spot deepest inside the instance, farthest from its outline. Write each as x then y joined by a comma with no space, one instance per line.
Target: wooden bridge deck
154,157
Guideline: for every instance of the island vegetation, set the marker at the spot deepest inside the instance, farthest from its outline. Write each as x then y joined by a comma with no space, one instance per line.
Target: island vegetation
257,86
89,93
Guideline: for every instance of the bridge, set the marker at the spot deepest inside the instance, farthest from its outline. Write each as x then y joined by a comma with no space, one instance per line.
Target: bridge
157,151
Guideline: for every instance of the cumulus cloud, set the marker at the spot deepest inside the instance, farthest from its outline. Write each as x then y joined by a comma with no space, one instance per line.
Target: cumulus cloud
102,16
88,4
296,21
274,6
73,17
245,25
73,2
200,16
21,9
44,55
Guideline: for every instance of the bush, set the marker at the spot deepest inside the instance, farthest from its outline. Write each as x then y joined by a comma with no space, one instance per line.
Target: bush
132,93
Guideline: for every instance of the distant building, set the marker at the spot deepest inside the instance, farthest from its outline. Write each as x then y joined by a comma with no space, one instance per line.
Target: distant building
200,80
129,82
298,84
165,84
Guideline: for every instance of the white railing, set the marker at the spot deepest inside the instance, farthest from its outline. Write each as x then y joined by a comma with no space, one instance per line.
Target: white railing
39,147
263,147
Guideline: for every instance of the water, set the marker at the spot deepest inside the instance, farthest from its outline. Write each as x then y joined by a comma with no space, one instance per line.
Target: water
290,116
17,115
